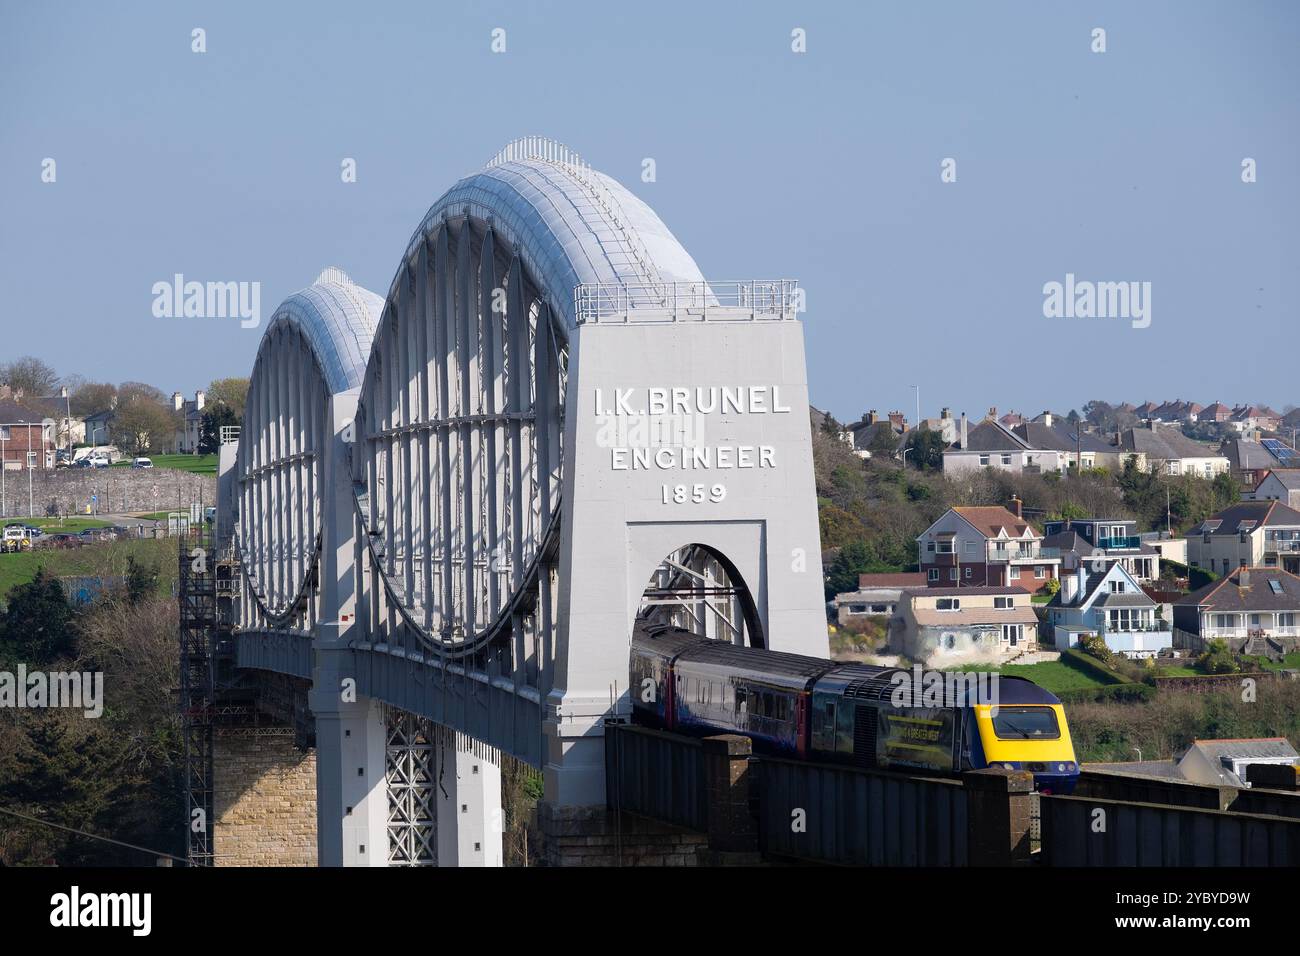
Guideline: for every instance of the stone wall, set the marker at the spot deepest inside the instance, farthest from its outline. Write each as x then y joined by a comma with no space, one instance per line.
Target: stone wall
264,800
119,490
595,836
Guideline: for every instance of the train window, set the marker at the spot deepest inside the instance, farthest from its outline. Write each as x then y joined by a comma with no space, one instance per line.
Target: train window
1026,723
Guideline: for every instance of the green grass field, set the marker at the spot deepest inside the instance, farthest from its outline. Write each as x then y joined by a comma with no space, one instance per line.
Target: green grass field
107,559
198,464
1050,675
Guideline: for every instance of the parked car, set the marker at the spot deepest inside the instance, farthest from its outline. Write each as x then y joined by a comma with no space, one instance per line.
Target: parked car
83,463
15,538
64,540
141,462
99,460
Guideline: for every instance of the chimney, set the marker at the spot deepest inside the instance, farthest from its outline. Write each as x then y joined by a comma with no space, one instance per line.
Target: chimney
63,391
1047,419
177,401
199,398
1243,578
872,418
946,413
1069,588
1017,506
963,431
993,412
898,422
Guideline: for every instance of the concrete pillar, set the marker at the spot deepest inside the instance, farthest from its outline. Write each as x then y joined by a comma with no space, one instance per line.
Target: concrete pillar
351,737
998,817
468,788
726,772
351,790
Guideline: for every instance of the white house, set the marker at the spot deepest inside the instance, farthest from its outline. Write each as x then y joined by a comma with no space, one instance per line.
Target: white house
1103,598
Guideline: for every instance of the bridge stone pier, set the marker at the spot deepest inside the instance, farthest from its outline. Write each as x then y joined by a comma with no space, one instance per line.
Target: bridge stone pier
449,505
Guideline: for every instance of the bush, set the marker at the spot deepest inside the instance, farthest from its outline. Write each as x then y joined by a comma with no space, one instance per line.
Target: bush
1090,666
1116,693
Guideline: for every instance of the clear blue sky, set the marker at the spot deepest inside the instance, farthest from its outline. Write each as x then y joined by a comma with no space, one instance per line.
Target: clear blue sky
822,166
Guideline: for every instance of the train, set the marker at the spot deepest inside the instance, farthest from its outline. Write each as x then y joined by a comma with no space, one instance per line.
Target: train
807,708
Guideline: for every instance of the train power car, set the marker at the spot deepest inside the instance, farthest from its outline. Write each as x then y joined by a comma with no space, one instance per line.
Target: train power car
809,708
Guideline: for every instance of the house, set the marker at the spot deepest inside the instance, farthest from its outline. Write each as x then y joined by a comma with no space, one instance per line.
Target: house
1215,763
986,624
877,595
1247,534
1255,610
989,444
1228,762
69,429
1166,450
26,437
98,427
1073,441
1250,458
1102,598
874,432
945,425
985,546
1218,412
1278,484
1247,418
1082,540
190,422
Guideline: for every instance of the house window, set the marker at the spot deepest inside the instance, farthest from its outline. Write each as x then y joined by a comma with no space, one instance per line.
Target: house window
1012,633
1225,620
969,547
948,604
1004,602
880,609
1116,587
1015,574
1040,573
929,546
984,459
968,573
945,547
1286,619
1006,459
952,574
934,574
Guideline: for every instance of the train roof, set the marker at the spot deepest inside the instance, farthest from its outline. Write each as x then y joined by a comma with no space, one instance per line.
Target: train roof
866,682
689,649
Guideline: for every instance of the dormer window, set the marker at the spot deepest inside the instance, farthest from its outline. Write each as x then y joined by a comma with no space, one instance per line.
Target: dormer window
948,604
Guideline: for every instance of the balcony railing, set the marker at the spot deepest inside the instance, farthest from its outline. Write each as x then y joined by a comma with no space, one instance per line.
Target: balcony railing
1122,543
1026,554
1288,547
736,300
1153,628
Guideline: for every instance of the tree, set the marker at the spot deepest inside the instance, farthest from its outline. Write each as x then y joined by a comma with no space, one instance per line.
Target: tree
128,391
231,392
926,449
37,626
140,425
210,427
883,440
91,397
30,374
